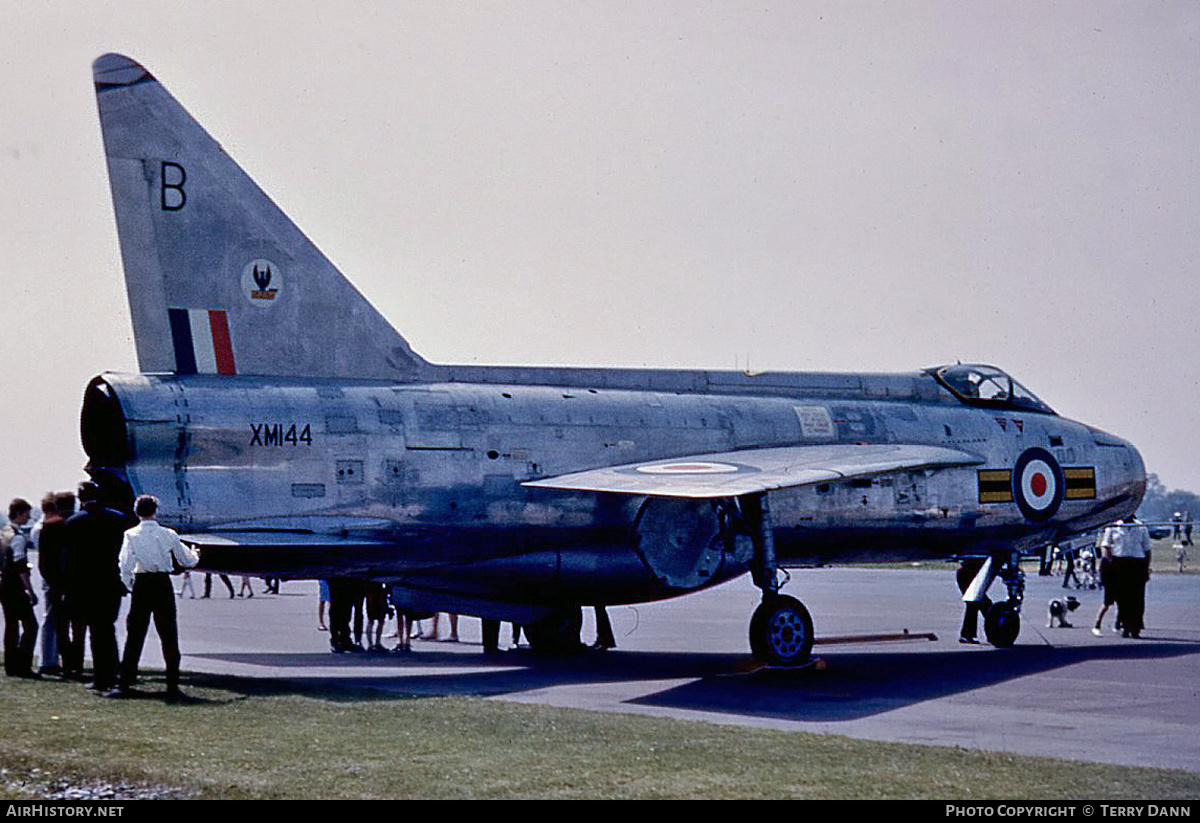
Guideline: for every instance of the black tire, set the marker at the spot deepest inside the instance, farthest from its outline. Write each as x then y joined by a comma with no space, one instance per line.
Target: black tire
557,632
781,632
1002,625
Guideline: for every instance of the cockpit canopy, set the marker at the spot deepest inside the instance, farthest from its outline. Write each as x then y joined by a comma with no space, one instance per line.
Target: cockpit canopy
979,385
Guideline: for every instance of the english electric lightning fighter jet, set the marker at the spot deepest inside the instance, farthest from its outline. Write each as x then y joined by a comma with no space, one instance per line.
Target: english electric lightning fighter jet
289,430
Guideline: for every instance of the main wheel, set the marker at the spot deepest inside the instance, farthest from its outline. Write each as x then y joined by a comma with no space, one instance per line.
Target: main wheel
557,632
1002,625
781,631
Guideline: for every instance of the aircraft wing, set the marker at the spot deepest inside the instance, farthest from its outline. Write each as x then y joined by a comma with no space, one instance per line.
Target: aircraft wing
730,474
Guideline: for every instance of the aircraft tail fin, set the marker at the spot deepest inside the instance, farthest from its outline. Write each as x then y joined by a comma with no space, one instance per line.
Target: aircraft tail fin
219,279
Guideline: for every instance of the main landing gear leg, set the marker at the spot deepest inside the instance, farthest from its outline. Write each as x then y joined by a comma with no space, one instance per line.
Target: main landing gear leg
1003,621
781,630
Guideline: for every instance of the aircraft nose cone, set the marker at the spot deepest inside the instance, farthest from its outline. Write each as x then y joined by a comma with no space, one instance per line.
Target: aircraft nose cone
1128,470
1139,470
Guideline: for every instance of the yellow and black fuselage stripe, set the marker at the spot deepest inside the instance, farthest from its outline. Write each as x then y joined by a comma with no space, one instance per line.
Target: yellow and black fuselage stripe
1080,482
995,485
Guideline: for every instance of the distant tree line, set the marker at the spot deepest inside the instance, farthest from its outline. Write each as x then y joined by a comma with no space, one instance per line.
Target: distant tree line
1160,503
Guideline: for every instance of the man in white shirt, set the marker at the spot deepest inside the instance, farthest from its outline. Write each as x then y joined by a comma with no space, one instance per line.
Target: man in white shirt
148,555
1129,545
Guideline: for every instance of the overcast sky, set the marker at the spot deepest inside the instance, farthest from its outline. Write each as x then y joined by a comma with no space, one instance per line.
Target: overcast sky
799,185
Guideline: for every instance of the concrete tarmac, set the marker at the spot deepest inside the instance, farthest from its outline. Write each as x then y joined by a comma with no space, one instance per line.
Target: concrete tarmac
1058,692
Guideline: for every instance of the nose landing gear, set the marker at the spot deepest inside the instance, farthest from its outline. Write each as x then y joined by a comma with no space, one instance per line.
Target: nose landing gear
1003,621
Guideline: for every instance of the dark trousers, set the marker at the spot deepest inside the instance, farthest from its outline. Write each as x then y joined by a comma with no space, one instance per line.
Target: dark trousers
970,624
1069,574
341,603
20,631
72,645
346,597
90,612
154,596
208,584
604,632
1128,577
491,635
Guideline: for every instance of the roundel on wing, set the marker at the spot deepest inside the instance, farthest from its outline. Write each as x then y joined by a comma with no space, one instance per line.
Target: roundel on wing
1038,484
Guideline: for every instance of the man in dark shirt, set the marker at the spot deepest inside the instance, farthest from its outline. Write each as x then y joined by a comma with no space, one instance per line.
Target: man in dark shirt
93,584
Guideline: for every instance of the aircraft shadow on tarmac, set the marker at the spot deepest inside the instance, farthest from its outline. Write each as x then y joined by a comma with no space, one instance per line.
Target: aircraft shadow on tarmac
858,685
852,685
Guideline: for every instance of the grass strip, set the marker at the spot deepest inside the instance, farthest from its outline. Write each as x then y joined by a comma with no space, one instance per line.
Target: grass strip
242,738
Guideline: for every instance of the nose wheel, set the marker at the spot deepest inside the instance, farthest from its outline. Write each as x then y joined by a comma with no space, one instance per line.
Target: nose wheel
1002,625
781,631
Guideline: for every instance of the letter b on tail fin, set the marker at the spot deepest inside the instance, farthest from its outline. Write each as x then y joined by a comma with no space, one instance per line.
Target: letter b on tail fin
219,279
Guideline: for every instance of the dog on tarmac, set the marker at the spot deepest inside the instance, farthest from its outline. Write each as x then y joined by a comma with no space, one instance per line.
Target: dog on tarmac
1059,609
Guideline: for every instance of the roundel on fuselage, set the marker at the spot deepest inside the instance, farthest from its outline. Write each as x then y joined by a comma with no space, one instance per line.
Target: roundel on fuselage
1038,484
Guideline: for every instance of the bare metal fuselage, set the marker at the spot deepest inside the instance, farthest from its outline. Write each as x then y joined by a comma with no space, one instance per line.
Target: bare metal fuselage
420,484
